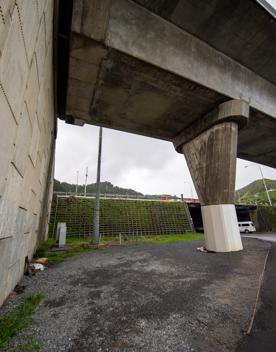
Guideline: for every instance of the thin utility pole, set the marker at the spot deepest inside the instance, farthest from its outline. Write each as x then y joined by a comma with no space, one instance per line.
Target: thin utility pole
268,196
86,175
96,227
77,182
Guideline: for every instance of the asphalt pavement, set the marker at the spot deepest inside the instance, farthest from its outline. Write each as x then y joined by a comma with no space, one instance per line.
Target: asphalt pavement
270,237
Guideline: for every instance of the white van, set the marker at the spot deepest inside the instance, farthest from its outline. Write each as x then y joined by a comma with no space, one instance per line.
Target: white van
246,227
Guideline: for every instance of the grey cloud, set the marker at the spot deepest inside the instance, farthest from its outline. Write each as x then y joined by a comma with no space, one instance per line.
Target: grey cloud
144,164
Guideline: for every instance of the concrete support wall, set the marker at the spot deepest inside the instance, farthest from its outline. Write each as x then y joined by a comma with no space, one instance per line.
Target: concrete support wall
26,131
211,156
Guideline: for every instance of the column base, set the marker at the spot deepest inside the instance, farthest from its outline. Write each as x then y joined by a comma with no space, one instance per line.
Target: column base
221,228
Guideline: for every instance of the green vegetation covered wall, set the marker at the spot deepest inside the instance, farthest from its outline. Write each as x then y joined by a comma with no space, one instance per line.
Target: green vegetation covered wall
120,216
266,218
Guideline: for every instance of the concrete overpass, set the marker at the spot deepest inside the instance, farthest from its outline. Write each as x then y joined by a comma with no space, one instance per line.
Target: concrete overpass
157,68
189,72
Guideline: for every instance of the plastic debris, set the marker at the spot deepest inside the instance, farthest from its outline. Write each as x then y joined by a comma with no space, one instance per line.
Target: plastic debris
202,249
37,267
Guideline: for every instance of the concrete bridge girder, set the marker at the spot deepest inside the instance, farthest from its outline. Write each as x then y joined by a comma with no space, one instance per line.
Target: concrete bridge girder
134,71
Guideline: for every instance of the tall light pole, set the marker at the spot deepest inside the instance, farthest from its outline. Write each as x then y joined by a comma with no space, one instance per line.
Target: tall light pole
268,196
77,184
96,227
86,175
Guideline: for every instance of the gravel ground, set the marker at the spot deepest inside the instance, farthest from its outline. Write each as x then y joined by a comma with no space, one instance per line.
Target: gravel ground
145,298
263,335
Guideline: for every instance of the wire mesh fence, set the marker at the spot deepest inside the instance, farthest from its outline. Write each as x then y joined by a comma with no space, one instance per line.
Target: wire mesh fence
124,216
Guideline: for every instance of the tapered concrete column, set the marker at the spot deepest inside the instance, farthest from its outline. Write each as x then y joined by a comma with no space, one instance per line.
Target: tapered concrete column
211,157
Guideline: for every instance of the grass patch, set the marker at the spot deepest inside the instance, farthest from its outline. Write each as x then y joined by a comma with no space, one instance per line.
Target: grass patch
42,251
77,245
32,345
18,319
167,239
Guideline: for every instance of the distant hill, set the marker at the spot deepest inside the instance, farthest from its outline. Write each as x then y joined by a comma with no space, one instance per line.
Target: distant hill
255,192
106,187
251,194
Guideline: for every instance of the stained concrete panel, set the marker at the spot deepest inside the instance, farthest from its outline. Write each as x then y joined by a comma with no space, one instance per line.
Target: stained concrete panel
5,247
32,91
22,141
30,25
7,8
40,50
27,121
9,202
34,141
17,238
48,14
14,68
41,7
42,173
8,126
29,223
28,181
14,272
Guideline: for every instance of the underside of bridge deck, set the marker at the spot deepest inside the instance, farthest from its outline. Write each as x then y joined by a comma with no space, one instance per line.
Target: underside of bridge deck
184,72
132,70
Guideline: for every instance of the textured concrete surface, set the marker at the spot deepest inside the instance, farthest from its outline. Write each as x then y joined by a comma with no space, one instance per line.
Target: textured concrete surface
26,133
146,298
141,73
211,158
244,24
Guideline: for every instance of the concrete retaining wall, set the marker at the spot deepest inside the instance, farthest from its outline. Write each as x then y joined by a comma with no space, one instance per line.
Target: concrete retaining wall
26,131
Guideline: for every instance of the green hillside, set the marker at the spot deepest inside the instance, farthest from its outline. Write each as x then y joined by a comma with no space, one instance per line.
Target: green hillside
255,193
106,187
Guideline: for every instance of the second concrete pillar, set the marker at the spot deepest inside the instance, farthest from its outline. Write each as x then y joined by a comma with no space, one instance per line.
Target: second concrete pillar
211,157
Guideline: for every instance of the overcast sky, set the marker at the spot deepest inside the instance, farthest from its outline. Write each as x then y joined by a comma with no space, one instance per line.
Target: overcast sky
144,164
148,165
272,2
